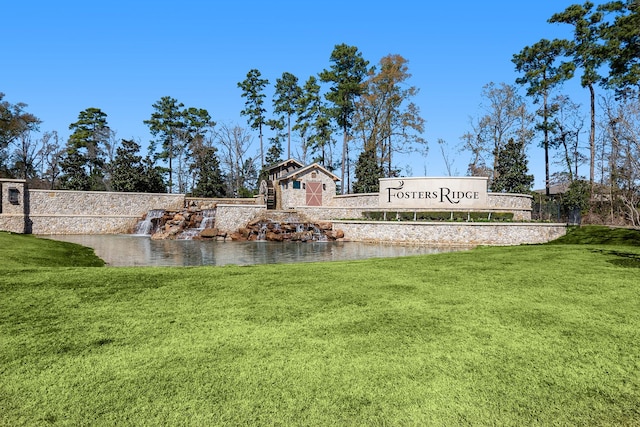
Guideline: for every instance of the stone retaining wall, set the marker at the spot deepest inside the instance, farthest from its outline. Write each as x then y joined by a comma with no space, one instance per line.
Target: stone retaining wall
13,223
452,234
365,200
229,218
78,212
93,212
210,203
520,204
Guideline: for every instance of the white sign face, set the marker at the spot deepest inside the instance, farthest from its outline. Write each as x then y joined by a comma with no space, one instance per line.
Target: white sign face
433,193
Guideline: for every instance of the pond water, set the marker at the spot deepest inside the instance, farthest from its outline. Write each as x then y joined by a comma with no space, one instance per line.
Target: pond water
131,250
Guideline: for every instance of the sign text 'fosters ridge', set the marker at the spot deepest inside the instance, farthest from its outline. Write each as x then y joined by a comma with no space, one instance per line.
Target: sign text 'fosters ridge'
433,193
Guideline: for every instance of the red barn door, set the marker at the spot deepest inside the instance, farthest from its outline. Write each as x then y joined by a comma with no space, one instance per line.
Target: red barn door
314,194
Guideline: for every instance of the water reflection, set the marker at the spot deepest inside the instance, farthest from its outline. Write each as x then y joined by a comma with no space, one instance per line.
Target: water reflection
128,250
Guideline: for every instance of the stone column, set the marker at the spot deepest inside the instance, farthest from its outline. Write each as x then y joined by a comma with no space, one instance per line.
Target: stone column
14,206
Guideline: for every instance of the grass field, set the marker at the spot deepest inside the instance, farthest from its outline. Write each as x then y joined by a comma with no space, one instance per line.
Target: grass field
528,335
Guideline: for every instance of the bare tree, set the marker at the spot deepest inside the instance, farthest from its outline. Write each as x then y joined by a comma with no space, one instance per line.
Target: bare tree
237,165
385,117
51,154
24,156
567,124
505,116
623,131
446,157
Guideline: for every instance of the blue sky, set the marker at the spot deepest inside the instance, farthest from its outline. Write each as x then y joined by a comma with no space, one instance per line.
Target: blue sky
65,56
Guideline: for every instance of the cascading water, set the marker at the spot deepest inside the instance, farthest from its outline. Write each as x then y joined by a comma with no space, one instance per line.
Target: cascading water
208,219
295,231
262,233
148,225
318,235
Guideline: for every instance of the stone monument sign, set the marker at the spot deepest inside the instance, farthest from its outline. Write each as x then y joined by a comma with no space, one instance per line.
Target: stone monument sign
433,193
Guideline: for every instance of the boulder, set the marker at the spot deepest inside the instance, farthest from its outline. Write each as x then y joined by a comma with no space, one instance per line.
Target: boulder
209,233
335,234
237,237
274,237
325,226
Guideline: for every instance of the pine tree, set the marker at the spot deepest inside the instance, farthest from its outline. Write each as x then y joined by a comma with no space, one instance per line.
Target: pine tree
512,176
252,89
209,181
167,124
347,73
152,178
128,171
74,175
368,172
83,167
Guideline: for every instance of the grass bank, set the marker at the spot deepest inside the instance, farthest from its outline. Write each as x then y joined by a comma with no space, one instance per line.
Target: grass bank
527,335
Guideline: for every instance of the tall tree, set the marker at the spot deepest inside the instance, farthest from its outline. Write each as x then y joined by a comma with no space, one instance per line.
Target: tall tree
252,89
206,171
274,153
286,97
26,157
74,175
368,171
512,176
622,42
385,115
153,176
505,116
542,71
565,134
587,53
198,123
167,126
127,170
86,150
313,122
237,165
15,123
346,75
623,131
52,154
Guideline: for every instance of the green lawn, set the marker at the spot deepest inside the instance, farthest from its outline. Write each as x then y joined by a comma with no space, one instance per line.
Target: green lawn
527,335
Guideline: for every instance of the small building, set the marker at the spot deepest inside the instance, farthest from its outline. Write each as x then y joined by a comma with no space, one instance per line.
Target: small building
290,184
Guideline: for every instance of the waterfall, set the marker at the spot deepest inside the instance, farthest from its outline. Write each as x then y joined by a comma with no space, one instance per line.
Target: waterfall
147,226
208,219
262,233
318,235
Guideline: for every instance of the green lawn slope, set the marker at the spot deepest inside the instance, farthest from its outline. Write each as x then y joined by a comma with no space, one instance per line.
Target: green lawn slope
23,251
526,335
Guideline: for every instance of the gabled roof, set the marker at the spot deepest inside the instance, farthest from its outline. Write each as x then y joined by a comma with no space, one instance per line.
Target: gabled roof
306,169
283,164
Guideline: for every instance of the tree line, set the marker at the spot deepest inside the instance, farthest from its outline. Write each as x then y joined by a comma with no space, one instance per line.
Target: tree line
604,54
190,153
354,118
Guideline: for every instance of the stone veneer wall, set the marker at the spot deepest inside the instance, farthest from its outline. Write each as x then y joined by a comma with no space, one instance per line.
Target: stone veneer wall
229,218
12,216
520,204
451,234
93,212
364,200
210,203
